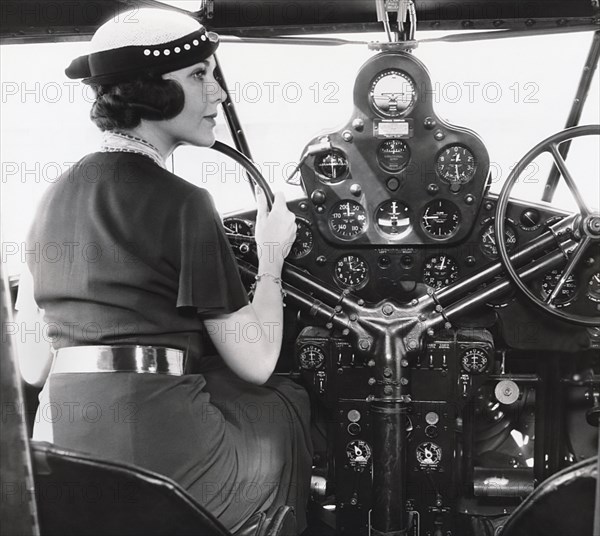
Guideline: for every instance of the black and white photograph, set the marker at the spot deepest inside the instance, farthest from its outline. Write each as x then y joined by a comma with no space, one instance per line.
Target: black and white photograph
300,267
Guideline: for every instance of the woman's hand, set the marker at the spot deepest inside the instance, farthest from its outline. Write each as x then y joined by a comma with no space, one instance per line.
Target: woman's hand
275,233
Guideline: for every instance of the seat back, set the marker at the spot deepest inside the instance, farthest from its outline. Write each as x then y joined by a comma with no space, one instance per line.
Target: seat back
78,495
561,505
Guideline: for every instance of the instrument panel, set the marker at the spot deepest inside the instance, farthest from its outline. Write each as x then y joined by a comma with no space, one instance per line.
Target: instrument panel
396,172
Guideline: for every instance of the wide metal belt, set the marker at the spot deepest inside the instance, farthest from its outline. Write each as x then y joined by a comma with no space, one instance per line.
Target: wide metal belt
126,358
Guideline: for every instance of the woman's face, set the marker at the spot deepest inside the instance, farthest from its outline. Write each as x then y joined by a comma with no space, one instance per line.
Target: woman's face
196,122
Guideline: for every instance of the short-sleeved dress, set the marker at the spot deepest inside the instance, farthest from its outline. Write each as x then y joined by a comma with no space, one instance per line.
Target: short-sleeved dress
124,252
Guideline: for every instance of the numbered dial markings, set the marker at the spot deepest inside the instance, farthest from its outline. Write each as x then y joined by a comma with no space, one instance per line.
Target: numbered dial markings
440,271
393,155
392,219
474,360
351,271
565,294
456,164
311,356
487,238
238,226
593,290
429,454
332,166
392,93
358,453
303,244
440,219
347,219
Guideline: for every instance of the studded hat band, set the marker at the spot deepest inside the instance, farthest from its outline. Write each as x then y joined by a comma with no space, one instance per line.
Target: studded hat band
125,63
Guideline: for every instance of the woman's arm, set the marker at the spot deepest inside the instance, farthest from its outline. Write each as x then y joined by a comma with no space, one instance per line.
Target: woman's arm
34,351
249,340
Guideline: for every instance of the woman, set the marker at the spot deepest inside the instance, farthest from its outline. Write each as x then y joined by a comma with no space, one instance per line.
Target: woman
147,273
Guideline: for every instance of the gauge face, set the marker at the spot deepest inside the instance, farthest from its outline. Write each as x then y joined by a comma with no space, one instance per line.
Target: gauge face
393,155
303,244
311,356
429,454
441,218
530,219
456,164
474,360
593,290
392,93
238,226
565,294
351,271
440,271
392,219
347,219
358,452
332,166
487,238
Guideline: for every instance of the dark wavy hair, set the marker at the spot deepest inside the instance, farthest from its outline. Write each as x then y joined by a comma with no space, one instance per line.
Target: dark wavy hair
124,105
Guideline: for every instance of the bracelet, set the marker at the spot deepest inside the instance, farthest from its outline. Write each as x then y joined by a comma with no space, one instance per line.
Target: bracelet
275,280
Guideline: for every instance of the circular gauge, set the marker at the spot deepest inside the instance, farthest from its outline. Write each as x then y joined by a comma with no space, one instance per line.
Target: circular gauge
347,219
332,165
593,290
474,360
565,294
303,244
238,226
392,219
530,219
440,219
456,164
358,453
392,93
487,238
311,356
439,271
393,155
351,271
429,454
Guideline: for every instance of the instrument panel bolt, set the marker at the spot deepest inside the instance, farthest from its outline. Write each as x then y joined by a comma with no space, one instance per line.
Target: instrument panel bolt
338,308
361,302
414,302
371,363
404,381
387,390
404,363
430,332
469,199
387,309
387,372
429,123
439,135
447,325
364,344
329,325
372,381
345,332
438,308
347,136
355,190
353,317
358,124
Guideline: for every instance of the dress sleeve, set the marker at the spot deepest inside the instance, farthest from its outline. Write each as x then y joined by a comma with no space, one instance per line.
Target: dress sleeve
209,280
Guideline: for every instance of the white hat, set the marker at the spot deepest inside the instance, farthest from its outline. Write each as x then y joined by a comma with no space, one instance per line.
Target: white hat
140,41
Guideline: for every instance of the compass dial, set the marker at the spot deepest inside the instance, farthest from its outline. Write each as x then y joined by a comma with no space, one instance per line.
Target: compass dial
393,155
332,166
440,271
392,93
392,219
347,219
440,219
456,164
351,271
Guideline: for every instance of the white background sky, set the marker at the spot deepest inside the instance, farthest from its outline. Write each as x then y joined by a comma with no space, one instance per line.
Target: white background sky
512,92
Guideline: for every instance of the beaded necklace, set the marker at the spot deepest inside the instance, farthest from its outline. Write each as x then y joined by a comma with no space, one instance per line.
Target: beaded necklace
113,142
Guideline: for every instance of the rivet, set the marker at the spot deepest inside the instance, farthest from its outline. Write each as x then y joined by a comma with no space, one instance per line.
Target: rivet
166,52
177,50
186,46
196,42
147,52
156,52
203,37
